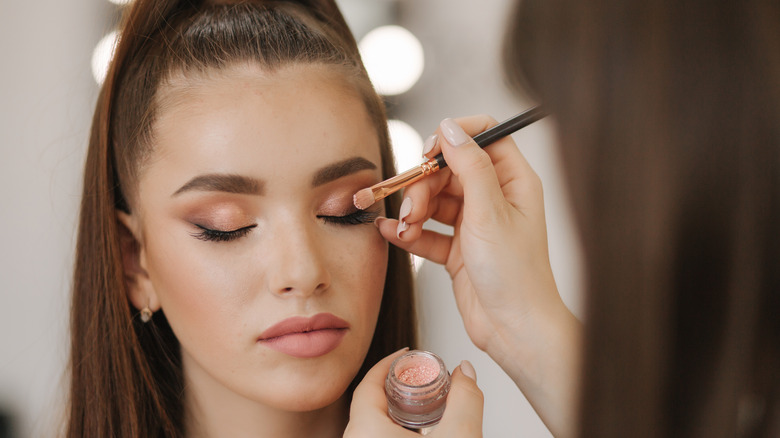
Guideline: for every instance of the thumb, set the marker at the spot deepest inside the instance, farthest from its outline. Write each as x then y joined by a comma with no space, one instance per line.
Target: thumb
473,168
463,414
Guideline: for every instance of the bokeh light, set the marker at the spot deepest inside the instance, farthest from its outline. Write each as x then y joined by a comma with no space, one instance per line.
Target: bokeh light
101,56
393,58
417,263
407,145
407,151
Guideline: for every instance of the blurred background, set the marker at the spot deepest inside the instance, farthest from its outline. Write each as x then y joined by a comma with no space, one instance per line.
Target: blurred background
431,59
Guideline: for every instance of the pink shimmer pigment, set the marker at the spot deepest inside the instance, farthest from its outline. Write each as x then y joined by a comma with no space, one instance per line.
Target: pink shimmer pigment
419,375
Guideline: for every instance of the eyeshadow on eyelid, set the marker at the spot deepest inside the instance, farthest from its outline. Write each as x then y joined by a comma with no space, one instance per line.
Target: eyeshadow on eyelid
222,216
338,205
339,197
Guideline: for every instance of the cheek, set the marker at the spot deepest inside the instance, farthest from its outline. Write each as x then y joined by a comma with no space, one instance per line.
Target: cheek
199,291
364,267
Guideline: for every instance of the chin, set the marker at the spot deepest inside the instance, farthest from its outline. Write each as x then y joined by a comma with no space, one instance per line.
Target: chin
298,389
304,396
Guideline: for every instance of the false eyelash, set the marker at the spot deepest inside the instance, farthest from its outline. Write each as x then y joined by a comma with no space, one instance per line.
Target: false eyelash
358,217
210,235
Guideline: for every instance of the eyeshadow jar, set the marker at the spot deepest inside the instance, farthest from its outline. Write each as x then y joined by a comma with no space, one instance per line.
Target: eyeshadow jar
416,388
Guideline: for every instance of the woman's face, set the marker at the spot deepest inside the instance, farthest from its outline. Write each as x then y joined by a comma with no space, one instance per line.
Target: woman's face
245,218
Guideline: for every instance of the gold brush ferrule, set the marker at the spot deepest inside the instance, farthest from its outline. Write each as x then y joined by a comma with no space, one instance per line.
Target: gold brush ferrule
430,166
396,183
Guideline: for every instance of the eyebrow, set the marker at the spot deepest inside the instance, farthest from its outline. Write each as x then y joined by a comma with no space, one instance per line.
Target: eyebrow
228,183
239,184
340,169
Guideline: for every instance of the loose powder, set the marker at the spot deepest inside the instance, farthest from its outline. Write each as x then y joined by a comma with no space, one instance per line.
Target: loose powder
419,375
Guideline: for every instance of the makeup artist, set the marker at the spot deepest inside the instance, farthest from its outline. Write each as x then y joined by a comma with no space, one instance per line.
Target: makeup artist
668,116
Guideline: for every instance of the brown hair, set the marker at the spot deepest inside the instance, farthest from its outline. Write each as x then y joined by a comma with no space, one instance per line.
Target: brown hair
126,375
669,127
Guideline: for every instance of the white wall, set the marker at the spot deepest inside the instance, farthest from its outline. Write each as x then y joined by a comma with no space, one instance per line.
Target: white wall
46,100
45,107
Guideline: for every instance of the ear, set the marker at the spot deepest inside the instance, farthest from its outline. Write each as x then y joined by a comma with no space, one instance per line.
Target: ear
139,286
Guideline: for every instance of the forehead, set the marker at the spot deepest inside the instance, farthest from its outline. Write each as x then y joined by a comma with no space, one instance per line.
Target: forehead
267,125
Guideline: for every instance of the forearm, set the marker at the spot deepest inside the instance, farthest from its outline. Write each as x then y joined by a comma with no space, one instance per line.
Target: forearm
542,356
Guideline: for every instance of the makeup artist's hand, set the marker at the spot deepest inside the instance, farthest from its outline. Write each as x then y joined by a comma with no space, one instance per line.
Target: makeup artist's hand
498,261
368,413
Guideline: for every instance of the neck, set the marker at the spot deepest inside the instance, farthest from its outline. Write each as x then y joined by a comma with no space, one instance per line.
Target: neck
212,410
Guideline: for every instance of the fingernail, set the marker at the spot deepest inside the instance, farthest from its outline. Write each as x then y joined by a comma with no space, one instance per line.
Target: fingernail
454,133
468,370
430,142
378,221
402,226
406,208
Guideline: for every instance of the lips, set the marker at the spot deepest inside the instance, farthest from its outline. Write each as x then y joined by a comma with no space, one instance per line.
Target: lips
305,337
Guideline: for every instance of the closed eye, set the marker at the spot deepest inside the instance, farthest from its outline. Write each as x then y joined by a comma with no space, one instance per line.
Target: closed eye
209,235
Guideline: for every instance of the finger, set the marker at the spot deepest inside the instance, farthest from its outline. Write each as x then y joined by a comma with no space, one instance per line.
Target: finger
509,163
428,244
519,182
421,192
369,396
443,208
473,125
465,403
515,176
473,167
501,151
431,146
446,209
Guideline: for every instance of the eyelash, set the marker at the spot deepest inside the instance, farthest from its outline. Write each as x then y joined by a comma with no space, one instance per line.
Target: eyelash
359,217
210,235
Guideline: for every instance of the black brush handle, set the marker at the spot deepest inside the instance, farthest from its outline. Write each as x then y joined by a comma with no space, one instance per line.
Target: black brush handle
507,127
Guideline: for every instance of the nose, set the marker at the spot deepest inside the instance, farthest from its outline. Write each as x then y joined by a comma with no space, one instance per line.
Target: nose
297,264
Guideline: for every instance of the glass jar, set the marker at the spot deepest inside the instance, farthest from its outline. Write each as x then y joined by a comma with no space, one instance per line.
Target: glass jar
416,388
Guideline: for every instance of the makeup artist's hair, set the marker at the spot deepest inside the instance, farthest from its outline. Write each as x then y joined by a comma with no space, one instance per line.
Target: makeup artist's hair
669,128
126,377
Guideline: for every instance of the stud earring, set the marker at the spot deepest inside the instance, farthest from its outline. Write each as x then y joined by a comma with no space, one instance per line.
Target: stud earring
146,314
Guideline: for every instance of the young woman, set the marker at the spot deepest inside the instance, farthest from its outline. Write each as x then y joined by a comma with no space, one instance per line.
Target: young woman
225,285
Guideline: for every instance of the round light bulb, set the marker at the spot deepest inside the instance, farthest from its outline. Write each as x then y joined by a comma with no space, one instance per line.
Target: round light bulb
101,56
393,57
407,145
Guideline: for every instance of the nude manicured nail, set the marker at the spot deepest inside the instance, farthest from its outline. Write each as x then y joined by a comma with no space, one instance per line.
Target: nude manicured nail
406,208
454,134
402,226
430,142
468,370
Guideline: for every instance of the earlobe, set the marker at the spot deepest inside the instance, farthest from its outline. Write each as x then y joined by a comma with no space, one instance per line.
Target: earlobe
140,290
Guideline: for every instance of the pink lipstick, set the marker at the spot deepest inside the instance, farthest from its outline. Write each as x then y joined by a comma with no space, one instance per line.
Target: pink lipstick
305,337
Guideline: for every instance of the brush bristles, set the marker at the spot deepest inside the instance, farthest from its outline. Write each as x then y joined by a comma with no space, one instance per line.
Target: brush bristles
363,198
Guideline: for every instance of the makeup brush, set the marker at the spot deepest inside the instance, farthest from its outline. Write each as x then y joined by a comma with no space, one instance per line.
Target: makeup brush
368,196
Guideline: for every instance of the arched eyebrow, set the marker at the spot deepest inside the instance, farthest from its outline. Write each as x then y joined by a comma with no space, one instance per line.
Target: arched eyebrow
341,169
229,183
240,184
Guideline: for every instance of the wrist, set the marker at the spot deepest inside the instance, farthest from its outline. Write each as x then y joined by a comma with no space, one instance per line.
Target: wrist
542,356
